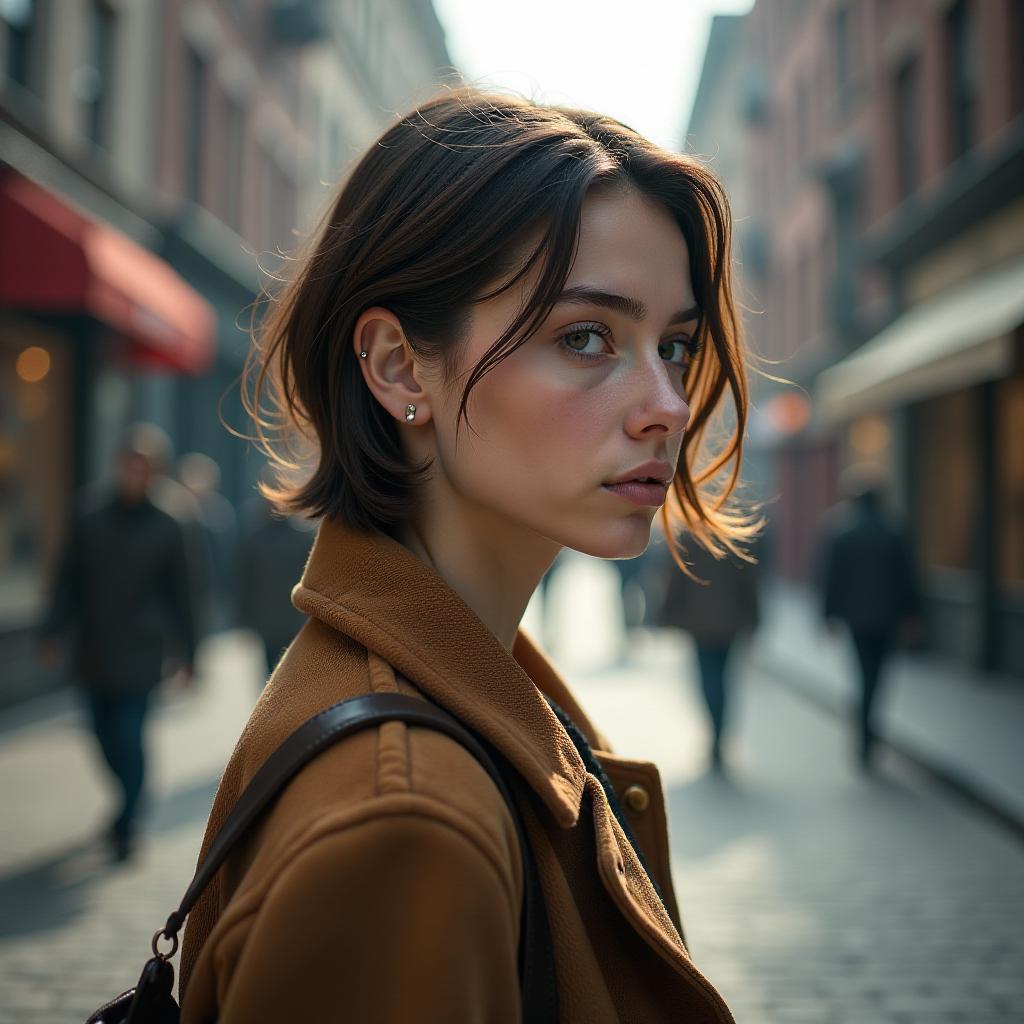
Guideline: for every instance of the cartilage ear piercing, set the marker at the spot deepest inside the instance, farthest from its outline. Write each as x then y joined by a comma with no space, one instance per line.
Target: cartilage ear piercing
410,413
362,355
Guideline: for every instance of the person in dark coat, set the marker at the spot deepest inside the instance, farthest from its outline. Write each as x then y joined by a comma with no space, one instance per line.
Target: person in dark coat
122,597
272,555
716,608
868,579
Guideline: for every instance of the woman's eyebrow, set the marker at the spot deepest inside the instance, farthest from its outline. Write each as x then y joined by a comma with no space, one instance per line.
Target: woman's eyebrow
633,308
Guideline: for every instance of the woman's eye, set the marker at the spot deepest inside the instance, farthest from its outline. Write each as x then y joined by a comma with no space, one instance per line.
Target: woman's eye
584,341
676,350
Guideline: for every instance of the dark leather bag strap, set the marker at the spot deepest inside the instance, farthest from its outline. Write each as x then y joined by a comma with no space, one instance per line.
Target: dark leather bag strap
536,956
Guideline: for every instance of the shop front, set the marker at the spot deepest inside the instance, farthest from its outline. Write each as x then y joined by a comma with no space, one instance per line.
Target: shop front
948,378
83,309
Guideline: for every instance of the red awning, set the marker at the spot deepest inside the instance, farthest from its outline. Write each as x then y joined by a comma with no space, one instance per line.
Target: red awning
55,259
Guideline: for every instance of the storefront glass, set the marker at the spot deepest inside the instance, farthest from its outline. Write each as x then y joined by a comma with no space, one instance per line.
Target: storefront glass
35,462
948,482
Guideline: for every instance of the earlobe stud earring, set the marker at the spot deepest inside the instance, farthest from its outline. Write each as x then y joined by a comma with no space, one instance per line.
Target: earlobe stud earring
410,413
362,355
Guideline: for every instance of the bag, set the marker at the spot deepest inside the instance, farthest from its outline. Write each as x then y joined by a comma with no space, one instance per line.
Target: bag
152,1000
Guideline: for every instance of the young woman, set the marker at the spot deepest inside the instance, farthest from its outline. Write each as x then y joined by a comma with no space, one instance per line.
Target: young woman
507,339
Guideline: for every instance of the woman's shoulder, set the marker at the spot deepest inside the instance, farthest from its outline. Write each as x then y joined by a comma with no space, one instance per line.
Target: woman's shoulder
385,771
392,791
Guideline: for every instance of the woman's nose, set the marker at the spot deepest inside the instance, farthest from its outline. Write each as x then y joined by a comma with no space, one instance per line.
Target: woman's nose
659,406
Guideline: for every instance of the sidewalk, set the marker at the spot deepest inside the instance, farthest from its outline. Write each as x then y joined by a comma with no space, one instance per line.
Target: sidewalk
74,928
964,727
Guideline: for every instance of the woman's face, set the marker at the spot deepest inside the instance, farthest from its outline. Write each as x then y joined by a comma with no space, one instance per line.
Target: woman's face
592,399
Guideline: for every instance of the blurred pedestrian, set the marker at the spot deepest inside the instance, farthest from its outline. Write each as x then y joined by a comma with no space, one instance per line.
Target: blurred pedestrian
272,554
200,476
122,597
716,607
177,501
868,579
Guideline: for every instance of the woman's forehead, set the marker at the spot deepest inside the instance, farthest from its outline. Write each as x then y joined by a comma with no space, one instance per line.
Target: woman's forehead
630,245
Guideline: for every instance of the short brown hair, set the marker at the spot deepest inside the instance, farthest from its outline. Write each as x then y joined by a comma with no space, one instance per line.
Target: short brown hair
434,218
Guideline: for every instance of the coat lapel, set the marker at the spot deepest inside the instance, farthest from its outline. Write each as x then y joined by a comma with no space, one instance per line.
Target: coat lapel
373,589
380,594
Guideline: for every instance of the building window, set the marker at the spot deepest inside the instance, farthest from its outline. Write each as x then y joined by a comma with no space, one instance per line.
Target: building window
195,126
841,29
35,460
22,19
234,136
963,76
906,127
97,84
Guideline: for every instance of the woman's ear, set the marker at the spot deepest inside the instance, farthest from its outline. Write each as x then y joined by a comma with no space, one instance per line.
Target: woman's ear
389,367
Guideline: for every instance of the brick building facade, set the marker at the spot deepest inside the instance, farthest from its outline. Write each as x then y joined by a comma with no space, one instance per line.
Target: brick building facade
152,157
885,157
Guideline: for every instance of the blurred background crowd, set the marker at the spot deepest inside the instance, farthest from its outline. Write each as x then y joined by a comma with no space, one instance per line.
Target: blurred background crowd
158,160
153,153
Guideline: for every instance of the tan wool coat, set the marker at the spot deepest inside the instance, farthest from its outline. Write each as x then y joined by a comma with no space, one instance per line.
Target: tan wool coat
385,884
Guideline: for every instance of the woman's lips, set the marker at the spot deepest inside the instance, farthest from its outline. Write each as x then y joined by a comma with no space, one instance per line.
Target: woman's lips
651,494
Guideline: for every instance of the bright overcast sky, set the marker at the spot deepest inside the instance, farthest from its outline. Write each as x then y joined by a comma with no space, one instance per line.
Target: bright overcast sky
637,60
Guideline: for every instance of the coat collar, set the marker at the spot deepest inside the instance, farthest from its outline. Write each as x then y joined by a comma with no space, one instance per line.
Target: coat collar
376,591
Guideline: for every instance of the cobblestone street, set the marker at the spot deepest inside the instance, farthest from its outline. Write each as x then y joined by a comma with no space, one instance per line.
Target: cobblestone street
808,893
811,894
74,931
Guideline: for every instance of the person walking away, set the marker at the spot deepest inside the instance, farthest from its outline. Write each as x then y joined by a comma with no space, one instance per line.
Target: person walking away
715,608
201,477
868,580
122,596
272,554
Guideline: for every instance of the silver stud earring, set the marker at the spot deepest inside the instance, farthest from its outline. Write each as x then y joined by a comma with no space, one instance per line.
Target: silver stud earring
362,355
410,413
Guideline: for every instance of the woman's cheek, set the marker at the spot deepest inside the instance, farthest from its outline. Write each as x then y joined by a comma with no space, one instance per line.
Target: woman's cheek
548,423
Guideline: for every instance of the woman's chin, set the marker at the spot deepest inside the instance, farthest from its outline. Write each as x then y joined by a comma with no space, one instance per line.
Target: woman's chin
625,538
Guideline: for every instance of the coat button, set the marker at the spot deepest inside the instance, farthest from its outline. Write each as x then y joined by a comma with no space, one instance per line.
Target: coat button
637,799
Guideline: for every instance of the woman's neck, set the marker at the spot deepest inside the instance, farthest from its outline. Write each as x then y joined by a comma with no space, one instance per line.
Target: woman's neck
491,565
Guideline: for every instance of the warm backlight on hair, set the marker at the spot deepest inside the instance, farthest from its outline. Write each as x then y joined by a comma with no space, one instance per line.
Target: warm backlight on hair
33,364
